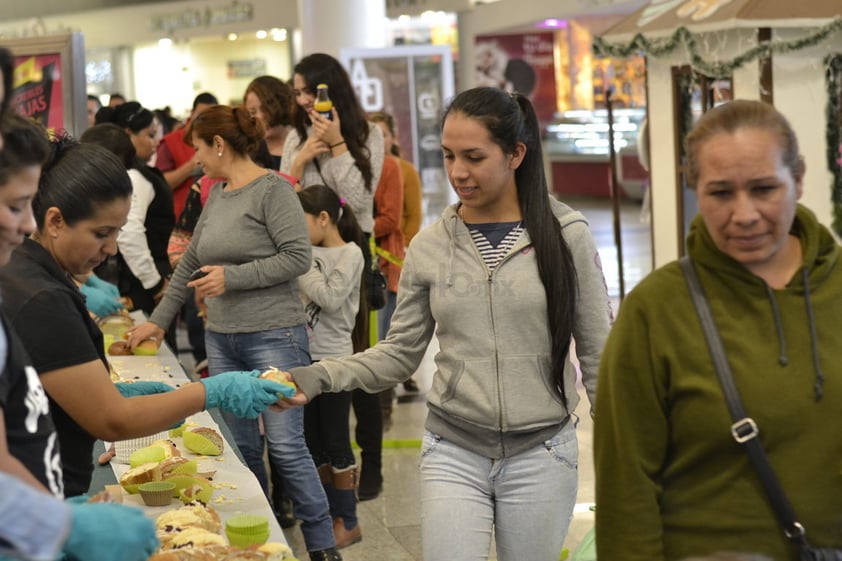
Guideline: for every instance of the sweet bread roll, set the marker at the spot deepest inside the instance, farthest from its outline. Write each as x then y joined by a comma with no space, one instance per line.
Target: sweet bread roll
237,554
196,537
147,347
141,474
275,551
119,348
210,434
187,554
169,447
276,376
168,465
208,515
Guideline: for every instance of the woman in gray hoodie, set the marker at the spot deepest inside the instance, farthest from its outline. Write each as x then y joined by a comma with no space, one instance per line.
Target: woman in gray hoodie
505,279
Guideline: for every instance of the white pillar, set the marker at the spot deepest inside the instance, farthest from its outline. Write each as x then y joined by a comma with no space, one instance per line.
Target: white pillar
328,26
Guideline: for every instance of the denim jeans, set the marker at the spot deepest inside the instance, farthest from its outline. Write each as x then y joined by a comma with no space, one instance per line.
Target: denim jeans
527,500
384,316
282,348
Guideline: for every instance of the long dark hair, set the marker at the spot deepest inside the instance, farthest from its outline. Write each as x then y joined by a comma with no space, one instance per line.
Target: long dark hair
79,178
26,144
320,68
130,115
317,198
115,139
510,119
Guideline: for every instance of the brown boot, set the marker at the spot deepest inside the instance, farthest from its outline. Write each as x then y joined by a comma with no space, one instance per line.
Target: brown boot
325,474
345,507
343,536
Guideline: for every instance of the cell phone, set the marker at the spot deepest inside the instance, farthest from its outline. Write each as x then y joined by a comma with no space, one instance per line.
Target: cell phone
197,274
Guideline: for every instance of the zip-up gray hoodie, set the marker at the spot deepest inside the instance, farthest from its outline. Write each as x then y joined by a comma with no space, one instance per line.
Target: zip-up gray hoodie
493,391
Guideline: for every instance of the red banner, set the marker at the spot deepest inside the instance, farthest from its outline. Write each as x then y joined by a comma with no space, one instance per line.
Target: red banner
37,89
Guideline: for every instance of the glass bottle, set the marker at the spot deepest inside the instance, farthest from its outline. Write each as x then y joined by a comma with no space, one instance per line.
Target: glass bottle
323,104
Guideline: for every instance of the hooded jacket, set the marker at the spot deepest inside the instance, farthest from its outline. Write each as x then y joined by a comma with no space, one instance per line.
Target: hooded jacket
671,481
493,390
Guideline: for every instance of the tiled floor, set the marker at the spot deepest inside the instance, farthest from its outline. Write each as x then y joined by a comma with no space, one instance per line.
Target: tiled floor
391,522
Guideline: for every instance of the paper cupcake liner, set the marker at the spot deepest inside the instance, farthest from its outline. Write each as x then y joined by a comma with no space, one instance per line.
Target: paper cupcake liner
247,529
199,444
146,455
157,493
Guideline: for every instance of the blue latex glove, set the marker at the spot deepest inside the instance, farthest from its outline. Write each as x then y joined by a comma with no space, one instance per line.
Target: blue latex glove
104,286
77,500
100,301
145,388
110,532
142,388
244,394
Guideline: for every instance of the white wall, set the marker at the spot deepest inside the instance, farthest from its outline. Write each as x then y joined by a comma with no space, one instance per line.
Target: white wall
799,93
130,25
186,69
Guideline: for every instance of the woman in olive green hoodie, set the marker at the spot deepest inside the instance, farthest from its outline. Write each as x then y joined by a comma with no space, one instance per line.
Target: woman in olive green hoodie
671,482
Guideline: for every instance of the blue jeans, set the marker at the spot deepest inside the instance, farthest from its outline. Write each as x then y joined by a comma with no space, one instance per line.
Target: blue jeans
527,499
282,348
384,316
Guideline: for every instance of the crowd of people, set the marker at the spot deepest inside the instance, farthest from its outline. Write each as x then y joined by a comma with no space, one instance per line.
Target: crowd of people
505,279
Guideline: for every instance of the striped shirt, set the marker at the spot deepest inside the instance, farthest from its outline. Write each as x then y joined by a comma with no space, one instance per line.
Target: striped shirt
495,240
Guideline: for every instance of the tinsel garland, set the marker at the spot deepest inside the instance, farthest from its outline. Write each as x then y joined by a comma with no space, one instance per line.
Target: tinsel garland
640,45
833,66
666,45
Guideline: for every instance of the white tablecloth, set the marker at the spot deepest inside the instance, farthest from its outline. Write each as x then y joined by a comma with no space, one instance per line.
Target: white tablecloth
236,489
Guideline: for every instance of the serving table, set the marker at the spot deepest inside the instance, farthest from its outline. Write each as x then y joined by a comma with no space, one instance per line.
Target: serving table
236,489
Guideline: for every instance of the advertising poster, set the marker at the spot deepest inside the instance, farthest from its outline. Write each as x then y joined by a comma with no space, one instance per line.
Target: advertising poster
412,84
37,89
522,63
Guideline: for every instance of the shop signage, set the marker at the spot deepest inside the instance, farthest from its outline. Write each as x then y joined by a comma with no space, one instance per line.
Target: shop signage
36,89
198,17
248,68
48,81
412,84
395,8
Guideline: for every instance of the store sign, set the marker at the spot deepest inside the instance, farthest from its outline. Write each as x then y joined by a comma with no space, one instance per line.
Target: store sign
248,68
410,83
37,89
369,90
207,17
395,8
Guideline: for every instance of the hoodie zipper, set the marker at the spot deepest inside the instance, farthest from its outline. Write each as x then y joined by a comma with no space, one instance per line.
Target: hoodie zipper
518,247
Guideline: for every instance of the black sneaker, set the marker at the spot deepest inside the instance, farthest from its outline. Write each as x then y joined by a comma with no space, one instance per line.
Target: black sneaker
285,515
410,386
329,554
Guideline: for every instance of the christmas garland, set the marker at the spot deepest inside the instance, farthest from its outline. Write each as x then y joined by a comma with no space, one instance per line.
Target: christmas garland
833,65
666,45
640,45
